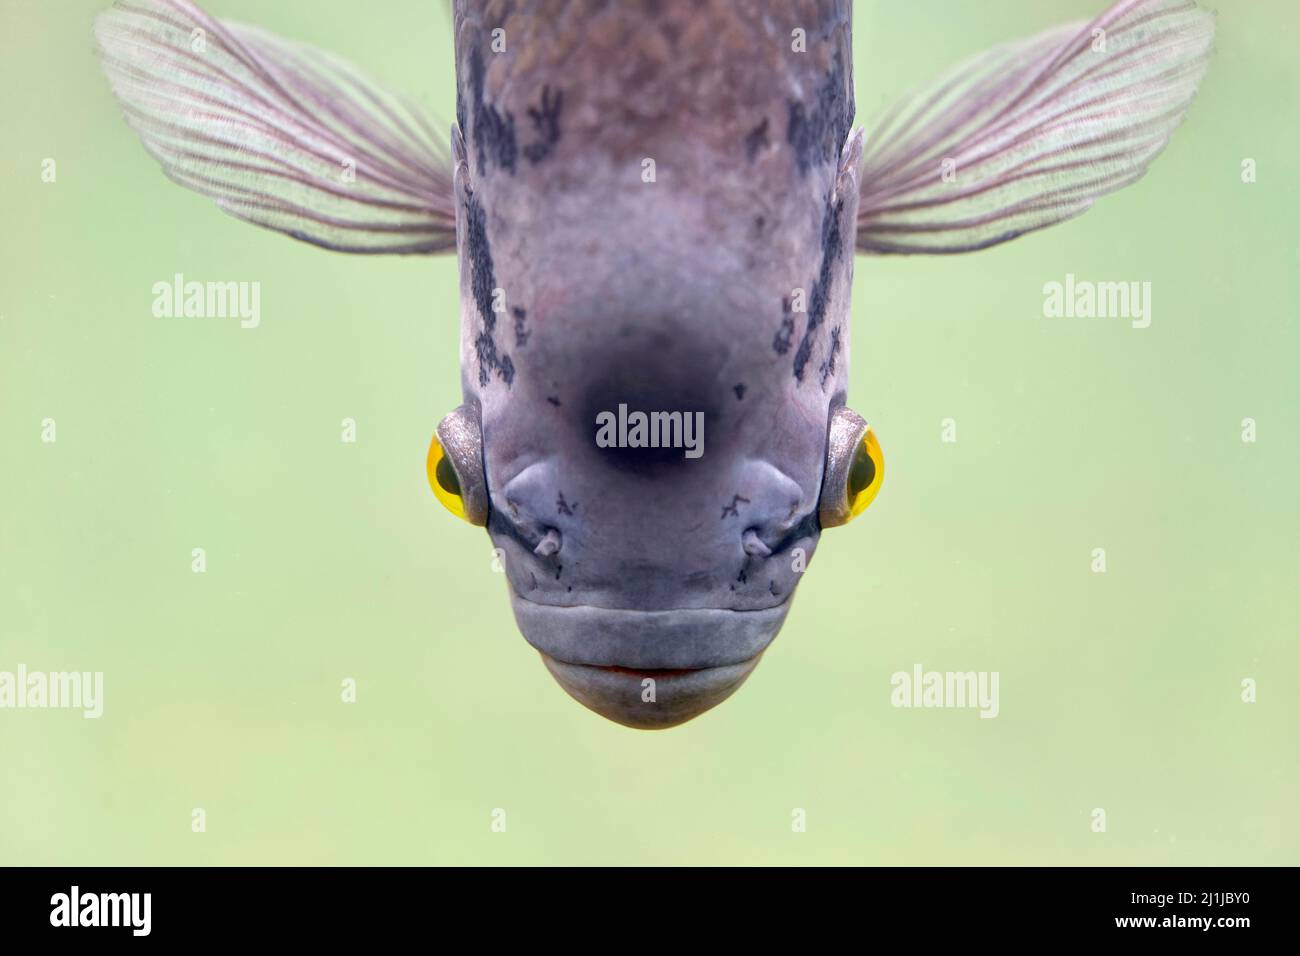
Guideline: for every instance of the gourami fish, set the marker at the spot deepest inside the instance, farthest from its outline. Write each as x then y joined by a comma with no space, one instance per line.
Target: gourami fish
655,206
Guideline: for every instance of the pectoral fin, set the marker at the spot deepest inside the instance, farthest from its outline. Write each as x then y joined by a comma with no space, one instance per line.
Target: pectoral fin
278,133
1032,133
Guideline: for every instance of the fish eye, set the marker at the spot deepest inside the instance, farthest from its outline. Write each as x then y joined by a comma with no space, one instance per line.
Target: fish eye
855,468
865,474
454,465
443,480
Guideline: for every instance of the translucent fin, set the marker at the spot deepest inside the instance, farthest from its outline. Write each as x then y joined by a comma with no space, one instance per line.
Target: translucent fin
277,133
1032,133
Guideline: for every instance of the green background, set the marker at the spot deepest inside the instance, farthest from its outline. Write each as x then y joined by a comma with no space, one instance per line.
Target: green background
329,560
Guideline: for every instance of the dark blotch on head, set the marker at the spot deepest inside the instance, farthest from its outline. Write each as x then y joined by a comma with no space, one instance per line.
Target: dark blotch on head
494,133
828,367
483,274
681,385
482,282
784,335
819,300
817,130
546,122
521,327
756,140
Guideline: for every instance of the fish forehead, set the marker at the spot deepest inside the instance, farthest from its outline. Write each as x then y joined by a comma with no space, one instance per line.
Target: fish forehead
587,282
641,72
564,109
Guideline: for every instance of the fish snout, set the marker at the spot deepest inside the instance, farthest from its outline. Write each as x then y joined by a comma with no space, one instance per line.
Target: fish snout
739,539
644,626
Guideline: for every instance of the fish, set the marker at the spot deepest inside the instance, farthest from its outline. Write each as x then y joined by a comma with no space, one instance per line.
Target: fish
656,207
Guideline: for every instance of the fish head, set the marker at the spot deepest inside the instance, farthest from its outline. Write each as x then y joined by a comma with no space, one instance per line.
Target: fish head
654,204
655,279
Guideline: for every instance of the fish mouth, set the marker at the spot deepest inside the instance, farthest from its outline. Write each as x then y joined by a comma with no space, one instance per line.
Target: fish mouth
648,669
644,701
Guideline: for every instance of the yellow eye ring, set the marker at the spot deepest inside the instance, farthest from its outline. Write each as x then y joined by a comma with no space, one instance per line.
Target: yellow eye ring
443,480
855,468
454,465
865,474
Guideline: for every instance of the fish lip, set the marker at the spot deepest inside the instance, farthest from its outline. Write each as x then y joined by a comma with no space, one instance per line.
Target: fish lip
618,694
647,641
640,673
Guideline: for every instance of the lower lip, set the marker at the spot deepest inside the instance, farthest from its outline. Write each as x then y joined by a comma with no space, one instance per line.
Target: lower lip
640,673
618,693
700,679
655,673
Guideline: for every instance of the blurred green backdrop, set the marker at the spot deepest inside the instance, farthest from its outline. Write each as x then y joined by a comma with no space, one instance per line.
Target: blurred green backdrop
329,560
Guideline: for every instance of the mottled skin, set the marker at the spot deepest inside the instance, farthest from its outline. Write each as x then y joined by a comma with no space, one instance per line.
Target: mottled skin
669,295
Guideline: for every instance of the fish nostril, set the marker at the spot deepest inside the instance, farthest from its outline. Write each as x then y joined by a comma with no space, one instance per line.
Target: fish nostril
754,545
550,544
